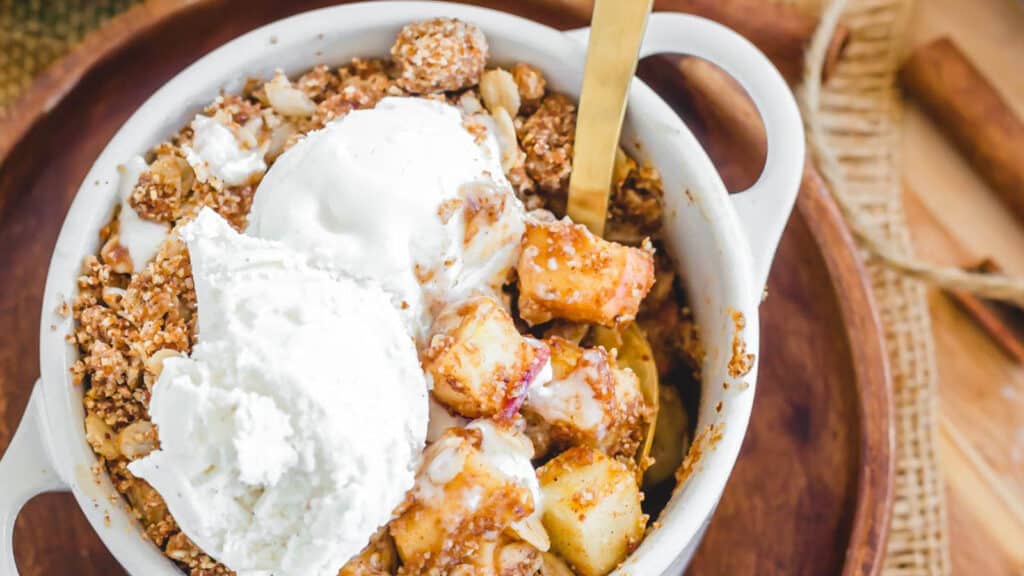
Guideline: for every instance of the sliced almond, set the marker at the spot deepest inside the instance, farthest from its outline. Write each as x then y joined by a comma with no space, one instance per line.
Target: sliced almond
288,100
155,363
112,296
498,89
505,133
531,531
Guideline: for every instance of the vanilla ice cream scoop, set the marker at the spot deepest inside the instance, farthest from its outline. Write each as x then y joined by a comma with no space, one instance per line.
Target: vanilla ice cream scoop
403,194
295,427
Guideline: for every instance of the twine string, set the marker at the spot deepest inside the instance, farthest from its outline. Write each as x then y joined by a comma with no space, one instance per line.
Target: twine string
993,286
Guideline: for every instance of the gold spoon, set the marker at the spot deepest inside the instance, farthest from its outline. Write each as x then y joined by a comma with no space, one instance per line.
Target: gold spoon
616,30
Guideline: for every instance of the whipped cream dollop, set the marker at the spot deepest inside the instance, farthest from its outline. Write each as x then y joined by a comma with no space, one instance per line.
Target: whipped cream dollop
295,427
402,194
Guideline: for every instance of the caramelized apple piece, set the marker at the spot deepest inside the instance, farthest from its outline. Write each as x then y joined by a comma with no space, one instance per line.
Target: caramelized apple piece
480,364
465,490
567,272
590,401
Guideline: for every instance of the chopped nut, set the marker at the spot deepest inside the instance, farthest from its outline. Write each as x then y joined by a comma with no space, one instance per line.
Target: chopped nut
318,83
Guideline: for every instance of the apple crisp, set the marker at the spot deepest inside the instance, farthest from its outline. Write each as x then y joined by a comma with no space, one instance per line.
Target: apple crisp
131,316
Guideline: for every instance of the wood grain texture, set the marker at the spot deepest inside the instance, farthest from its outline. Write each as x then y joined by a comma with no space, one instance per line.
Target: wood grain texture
810,492
955,218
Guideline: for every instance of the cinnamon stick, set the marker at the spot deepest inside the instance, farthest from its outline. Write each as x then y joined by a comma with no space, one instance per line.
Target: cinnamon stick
973,113
781,31
994,319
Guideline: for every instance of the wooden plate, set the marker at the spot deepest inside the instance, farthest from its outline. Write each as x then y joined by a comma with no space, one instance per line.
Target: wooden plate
811,491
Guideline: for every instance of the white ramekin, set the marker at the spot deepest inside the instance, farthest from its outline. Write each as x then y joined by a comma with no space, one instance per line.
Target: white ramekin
723,245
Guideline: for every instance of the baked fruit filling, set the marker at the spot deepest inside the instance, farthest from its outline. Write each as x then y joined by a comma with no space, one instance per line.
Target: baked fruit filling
530,463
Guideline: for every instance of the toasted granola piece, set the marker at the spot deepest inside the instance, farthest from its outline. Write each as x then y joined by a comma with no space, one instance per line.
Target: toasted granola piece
461,495
149,508
547,136
566,272
318,83
635,208
523,185
439,55
231,202
240,110
480,364
163,188
335,106
182,550
591,509
590,401
364,81
530,81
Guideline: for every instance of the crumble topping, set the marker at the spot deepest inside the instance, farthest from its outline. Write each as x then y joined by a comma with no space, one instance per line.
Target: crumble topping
128,322
547,137
439,55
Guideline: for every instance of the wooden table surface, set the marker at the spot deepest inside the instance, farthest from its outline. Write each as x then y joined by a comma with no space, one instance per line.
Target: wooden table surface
956,219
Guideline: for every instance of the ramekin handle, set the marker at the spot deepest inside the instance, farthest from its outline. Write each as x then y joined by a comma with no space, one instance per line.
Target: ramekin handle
764,208
26,470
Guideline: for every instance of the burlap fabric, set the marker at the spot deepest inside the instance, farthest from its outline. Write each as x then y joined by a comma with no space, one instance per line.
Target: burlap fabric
857,111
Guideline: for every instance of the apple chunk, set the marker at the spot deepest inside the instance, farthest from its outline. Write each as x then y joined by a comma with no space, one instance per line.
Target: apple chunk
567,272
480,364
591,509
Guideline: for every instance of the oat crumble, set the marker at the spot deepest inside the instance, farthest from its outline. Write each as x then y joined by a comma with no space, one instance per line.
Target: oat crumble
127,323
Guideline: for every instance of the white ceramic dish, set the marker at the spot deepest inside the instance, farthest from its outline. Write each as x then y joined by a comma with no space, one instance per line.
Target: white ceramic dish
723,244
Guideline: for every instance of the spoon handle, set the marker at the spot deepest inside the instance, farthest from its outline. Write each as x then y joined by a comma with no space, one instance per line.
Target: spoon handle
616,31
